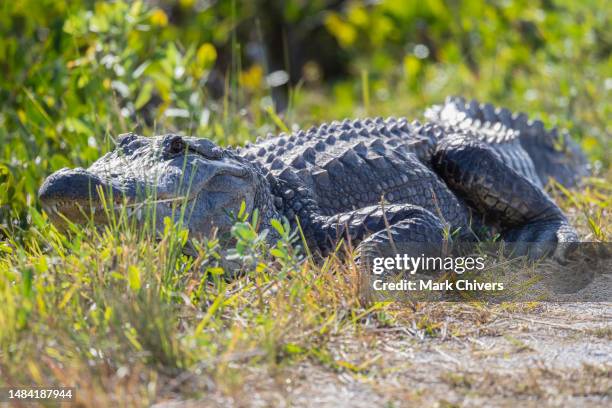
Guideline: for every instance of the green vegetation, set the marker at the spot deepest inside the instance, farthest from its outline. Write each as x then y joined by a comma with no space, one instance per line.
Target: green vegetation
126,318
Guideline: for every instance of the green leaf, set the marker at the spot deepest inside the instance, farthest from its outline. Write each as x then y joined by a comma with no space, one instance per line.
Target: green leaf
292,348
242,210
144,95
278,226
134,277
4,173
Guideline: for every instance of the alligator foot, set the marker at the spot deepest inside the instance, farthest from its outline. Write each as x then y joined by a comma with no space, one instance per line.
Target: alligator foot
540,239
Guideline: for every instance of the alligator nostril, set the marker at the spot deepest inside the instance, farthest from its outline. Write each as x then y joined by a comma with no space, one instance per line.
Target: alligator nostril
125,138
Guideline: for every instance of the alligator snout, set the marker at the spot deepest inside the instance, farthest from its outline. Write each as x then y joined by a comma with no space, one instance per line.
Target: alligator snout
69,185
73,193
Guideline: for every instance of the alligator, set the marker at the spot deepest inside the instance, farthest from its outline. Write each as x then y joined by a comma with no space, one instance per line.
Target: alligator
470,171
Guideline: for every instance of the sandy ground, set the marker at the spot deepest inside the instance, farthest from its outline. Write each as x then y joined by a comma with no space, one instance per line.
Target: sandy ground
525,359
550,354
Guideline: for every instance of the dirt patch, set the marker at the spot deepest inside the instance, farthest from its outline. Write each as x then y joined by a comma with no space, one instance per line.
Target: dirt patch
547,355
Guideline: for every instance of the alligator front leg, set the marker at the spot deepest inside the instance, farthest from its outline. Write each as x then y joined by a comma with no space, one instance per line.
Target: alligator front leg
389,231
527,216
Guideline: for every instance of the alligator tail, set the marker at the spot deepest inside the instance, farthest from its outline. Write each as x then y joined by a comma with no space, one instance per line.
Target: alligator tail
554,154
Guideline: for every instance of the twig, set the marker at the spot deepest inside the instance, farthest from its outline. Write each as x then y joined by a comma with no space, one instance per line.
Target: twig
558,325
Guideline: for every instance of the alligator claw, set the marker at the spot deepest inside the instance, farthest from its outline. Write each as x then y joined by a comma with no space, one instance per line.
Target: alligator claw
540,239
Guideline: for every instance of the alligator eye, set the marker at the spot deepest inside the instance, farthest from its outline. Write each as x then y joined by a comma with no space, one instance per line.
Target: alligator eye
205,148
176,145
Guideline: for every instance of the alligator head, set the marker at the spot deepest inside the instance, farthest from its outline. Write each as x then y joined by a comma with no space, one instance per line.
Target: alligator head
172,175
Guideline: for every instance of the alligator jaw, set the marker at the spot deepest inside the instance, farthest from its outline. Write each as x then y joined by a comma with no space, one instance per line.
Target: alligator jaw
75,195
80,196
83,212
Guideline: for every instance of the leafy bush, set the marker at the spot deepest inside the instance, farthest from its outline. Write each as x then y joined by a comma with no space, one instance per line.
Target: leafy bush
77,73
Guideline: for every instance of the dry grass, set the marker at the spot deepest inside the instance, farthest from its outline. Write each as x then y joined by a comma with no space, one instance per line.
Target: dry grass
130,320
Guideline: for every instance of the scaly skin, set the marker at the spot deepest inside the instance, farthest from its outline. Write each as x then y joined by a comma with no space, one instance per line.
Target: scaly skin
473,168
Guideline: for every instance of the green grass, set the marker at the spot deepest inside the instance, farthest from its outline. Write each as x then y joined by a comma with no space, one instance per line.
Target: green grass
126,317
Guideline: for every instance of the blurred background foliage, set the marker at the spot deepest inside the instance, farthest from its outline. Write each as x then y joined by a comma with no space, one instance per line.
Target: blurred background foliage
73,74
